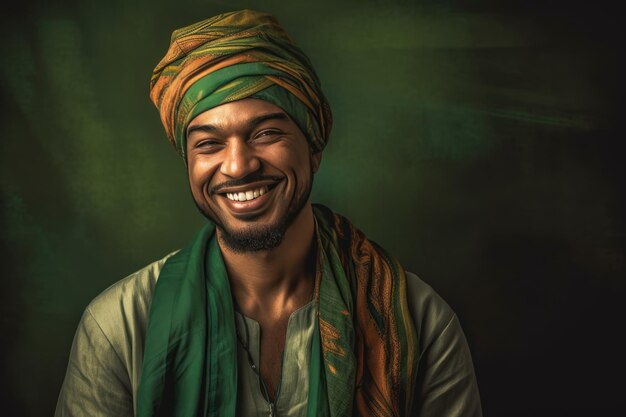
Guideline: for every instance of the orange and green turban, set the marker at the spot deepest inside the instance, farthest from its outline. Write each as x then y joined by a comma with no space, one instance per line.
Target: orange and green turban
237,55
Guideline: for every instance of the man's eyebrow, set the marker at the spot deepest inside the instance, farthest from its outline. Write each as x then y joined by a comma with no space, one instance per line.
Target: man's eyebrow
202,128
209,128
271,116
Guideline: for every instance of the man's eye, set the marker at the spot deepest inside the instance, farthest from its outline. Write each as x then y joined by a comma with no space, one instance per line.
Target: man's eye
207,143
267,134
208,146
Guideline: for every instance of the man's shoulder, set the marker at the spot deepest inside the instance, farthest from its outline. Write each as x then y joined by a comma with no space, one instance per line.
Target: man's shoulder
129,297
425,300
107,352
431,314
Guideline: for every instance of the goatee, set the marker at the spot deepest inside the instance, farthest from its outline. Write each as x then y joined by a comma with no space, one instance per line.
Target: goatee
253,239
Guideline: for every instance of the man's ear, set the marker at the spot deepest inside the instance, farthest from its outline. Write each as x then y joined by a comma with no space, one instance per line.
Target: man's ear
316,160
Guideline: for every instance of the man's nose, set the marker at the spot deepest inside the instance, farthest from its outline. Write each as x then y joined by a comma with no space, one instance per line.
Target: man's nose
240,160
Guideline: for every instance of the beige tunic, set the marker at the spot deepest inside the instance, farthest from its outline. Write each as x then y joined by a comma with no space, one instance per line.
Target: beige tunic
106,358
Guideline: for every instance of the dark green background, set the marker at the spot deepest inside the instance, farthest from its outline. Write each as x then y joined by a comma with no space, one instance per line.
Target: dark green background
479,141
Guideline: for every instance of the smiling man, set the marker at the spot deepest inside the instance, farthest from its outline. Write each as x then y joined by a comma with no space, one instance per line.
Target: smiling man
277,306
251,172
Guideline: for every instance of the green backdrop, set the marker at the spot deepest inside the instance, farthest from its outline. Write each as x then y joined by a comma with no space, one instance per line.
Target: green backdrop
480,142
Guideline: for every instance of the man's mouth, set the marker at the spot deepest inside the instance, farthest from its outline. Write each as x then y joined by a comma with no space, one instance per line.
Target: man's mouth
248,195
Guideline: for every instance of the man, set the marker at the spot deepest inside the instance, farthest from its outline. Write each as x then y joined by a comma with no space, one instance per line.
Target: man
276,307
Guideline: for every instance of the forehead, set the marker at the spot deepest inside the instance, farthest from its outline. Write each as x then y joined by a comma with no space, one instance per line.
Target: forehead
236,114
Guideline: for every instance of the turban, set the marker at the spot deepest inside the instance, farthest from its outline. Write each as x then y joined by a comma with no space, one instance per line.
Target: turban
232,56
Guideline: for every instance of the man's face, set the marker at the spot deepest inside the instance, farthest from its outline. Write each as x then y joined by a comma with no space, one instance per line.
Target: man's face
250,171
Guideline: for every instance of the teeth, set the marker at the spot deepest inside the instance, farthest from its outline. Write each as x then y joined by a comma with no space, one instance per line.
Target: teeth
247,195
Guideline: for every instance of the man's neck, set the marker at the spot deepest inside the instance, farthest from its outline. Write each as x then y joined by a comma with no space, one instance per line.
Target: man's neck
275,282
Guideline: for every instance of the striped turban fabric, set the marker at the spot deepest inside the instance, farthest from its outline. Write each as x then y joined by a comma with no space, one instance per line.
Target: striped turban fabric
232,56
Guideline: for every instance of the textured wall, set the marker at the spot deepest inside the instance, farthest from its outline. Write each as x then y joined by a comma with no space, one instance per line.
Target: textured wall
480,143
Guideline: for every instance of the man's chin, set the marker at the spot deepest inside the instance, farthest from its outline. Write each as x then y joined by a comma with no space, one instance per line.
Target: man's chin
252,238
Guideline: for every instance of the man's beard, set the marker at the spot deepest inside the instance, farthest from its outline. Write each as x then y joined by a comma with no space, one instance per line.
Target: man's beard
258,238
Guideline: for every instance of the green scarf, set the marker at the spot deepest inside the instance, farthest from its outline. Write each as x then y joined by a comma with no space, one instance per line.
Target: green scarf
363,354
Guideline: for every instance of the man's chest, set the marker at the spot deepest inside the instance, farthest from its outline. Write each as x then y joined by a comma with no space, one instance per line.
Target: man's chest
272,345
281,356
